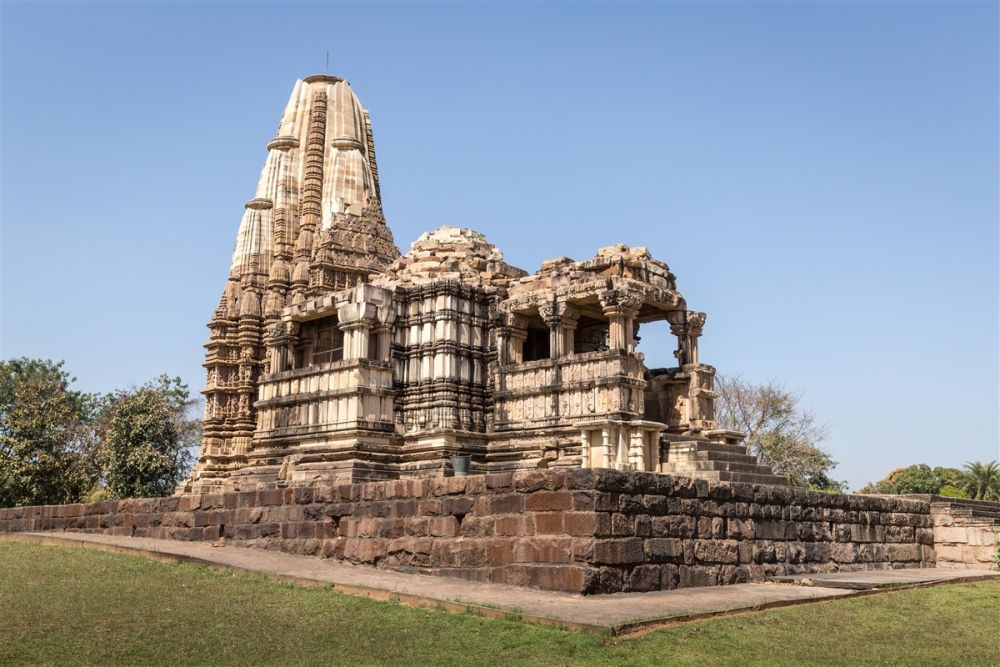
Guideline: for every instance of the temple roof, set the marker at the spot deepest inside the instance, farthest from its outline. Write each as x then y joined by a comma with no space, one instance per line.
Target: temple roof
450,253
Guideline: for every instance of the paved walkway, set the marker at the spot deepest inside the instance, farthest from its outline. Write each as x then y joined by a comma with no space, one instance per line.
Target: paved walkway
616,614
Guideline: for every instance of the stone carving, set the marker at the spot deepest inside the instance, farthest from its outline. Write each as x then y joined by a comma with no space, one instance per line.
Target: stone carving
332,356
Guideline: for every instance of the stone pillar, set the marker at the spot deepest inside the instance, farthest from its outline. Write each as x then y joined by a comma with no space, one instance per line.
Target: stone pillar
584,449
678,327
701,397
356,321
569,335
386,316
622,458
517,333
695,325
620,308
356,340
281,344
556,338
606,443
503,346
384,335
635,453
560,317
687,325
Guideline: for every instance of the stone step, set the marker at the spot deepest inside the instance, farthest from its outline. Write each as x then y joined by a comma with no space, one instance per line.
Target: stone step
965,510
705,446
720,465
730,476
704,459
748,478
972,510
976,514
709,456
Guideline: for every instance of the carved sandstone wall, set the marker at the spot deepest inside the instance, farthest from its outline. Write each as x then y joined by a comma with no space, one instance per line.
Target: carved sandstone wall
577,530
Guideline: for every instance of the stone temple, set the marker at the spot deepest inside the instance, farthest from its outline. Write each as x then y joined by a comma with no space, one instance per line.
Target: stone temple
350,386
333,357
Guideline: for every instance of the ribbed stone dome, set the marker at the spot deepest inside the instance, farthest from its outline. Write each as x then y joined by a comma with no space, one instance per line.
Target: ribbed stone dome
450,253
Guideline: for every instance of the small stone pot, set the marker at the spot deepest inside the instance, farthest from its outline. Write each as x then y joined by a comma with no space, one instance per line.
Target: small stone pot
460,464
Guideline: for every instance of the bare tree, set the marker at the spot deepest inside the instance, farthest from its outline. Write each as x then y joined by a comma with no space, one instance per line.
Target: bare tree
778,429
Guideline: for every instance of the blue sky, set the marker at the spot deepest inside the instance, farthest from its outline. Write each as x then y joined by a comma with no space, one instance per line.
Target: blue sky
822,178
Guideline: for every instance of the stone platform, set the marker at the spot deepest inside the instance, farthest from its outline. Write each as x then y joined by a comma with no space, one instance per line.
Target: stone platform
617,614
574,530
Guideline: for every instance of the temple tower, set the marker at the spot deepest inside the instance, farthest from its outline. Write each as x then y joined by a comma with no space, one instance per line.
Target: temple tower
314,225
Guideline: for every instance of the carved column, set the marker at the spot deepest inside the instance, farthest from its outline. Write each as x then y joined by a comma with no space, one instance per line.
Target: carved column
383,329
620,309
503,345
606,443
560,317
356,321
281,342
687,325
569,332
584,449
383,333
622,458
635,453
695,324
517,333
678,327
549,312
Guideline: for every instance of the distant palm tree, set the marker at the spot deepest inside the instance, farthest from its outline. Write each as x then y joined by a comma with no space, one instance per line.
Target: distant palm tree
982,480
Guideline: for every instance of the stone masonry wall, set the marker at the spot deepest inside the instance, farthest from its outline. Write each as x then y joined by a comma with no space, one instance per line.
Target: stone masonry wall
966,533
577,530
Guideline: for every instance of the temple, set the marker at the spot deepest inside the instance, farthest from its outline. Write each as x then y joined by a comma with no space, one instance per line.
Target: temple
334,357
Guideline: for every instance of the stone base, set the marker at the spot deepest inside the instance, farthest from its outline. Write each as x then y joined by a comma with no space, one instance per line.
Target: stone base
566,529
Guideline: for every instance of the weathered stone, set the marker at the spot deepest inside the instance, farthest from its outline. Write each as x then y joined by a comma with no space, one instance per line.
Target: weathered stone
445,526
619,551
543,550
697,575
546,501
685,547
549,523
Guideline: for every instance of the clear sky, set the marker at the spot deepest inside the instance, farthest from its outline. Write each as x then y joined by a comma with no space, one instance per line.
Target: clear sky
821,177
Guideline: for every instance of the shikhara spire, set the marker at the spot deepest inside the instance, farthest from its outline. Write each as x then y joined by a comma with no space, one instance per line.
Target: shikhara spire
314,223
336,172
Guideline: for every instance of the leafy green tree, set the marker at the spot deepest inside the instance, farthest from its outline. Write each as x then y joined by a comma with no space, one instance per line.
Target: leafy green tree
982,480
920,478
779,431
146,435
951,491
47,443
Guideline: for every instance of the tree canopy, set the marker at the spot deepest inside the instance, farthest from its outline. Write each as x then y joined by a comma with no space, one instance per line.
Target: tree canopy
145,435
779,431
46,443
59,445
980,481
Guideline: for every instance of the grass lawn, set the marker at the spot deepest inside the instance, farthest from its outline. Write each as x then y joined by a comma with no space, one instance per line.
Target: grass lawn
63,605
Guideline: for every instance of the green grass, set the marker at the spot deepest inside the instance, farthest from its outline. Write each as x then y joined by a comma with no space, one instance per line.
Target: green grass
72,606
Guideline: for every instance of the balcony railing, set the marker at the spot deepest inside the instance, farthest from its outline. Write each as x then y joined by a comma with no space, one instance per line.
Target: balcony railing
553,392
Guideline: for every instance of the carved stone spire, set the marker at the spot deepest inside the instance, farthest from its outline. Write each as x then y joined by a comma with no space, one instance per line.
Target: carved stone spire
314,225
